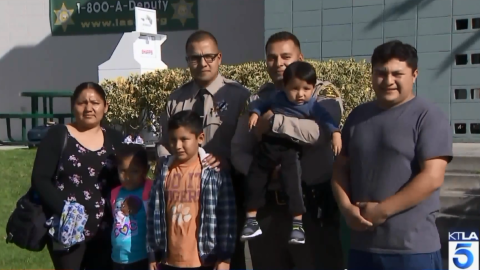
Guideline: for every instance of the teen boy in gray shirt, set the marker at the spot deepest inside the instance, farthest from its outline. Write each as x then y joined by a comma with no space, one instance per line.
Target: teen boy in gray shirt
392,165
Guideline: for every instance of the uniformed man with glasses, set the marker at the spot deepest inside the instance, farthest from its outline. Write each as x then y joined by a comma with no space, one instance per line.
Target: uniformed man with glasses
220,102
216,99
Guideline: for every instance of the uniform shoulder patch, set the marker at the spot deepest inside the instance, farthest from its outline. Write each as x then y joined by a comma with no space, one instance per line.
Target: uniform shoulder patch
327,89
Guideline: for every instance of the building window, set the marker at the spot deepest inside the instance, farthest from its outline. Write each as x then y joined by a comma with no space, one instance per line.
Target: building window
461,24
475,58
476,23
475,128
460,128
461,59
460,93
475,93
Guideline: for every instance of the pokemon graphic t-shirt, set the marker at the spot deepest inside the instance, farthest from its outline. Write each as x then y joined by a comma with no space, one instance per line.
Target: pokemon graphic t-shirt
182,189
129,233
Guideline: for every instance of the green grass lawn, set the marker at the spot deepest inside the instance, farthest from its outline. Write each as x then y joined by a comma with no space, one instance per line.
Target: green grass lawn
15,170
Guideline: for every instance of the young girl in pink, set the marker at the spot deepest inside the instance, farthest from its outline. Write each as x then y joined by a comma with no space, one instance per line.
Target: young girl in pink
129,207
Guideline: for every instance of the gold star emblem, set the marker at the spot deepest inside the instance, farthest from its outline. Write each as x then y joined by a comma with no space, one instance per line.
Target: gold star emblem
64,17
183,11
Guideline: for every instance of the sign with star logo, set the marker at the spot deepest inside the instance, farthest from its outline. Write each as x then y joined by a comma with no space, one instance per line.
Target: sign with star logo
88,17
183,11
63,17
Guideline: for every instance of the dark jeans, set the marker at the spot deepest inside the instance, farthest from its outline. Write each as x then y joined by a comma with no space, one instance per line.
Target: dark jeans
94,254
360,260
140,265
322,248
272,152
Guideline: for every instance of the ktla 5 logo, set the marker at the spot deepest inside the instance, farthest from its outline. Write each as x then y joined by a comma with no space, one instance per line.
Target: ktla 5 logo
463,250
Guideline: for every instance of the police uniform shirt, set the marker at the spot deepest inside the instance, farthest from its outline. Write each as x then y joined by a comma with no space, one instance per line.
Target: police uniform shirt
224,102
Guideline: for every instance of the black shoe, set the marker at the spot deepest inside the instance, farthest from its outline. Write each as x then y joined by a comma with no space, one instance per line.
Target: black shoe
250,230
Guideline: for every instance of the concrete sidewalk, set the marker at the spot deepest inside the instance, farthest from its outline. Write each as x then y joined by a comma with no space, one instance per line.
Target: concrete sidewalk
12,147
466,149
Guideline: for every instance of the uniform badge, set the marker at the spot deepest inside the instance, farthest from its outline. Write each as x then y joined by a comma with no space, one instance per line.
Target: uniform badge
221,106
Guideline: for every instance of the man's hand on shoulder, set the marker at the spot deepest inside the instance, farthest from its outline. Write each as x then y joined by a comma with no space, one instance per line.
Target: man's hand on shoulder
213,162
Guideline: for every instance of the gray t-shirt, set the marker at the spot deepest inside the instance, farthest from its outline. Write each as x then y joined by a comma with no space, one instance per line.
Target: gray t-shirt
385,149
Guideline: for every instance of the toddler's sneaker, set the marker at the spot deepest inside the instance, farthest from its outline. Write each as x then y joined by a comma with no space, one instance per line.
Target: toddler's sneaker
251,229
298,234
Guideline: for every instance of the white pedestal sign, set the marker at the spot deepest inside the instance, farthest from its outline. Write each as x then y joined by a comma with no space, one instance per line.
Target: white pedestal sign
138,51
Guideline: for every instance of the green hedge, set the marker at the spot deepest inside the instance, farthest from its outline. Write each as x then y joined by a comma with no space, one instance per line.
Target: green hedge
128,97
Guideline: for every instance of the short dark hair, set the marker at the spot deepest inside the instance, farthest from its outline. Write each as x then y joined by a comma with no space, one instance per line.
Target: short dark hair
300,70
395,49
137,151
89,85
282,36
187,119
198,36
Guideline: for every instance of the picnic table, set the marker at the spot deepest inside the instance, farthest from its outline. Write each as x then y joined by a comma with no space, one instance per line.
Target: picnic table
47,113
44,95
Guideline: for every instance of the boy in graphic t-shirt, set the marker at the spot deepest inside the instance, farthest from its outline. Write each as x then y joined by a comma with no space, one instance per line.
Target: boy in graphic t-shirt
191,219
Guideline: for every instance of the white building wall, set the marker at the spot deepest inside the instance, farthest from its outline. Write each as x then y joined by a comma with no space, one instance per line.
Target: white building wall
31,59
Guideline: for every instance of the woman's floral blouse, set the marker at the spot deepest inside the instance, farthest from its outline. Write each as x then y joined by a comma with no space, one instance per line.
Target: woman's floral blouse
83,178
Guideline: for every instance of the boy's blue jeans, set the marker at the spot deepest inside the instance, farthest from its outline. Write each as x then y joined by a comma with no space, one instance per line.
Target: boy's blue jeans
360,260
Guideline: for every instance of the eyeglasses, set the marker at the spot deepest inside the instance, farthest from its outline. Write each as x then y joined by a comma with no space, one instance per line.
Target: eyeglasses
209,58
